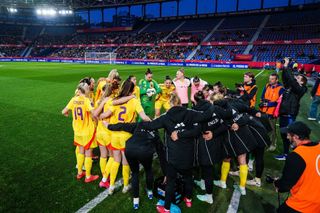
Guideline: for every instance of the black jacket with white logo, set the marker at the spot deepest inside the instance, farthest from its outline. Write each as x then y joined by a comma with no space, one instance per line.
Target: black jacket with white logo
180,153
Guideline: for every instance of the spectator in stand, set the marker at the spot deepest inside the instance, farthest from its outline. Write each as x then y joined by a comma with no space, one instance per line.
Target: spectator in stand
278,66
315,96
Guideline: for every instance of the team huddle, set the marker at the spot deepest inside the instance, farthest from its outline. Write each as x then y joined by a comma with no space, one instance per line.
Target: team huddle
123,119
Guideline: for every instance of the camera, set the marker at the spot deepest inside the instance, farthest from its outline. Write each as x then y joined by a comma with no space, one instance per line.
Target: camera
269,179
283,61
264,103
237,85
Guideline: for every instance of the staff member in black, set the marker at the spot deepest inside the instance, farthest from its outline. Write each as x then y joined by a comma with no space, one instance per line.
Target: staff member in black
139,150
301,172
239,142
180,153
209,144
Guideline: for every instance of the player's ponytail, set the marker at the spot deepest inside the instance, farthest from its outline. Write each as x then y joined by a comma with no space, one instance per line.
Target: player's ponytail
82,89
199,96
107,91
216,97
126,89
113,74
174,99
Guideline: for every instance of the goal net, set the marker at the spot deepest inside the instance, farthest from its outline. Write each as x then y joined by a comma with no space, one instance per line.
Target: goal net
100,57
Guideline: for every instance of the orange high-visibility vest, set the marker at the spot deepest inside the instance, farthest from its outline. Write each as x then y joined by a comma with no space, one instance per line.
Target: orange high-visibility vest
318,91
271,94
306,193
248,89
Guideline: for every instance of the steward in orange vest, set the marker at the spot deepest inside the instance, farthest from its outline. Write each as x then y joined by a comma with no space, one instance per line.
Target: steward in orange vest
301,173
269,98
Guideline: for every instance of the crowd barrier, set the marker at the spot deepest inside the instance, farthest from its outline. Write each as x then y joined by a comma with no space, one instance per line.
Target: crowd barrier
179,63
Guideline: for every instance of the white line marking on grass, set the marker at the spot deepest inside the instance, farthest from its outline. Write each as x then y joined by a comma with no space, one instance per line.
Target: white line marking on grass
98,199
103,195
260,73
234,203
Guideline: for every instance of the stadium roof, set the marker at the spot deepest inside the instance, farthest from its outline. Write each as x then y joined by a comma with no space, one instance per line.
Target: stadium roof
70,3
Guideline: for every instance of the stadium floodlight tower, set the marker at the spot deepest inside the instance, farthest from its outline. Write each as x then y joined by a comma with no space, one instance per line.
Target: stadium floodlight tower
100,57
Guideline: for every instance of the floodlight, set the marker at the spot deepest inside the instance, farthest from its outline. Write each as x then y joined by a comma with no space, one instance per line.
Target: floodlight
12,10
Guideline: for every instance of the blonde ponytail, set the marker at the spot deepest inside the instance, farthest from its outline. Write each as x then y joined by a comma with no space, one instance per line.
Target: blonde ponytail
174,99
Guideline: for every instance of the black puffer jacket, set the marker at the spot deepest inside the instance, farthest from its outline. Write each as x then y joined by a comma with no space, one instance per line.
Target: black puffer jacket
210,152
290,104
142,142
180,153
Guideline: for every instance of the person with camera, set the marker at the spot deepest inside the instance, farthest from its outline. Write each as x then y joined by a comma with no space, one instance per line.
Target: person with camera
315,96
301,172
268,103
248,90
295,88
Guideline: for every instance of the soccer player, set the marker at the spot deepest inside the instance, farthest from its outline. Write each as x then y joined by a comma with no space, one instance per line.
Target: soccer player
163,98
91,83
182,83
113,75
84,130
197,85
136,90
103,134
124,113
148,88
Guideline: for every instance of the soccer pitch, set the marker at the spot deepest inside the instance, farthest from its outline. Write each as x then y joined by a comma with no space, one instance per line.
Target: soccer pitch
37,153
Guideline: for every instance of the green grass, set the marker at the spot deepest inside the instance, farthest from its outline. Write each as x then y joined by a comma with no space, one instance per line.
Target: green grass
37,155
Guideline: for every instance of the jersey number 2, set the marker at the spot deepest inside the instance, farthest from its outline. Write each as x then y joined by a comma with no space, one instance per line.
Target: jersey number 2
123,111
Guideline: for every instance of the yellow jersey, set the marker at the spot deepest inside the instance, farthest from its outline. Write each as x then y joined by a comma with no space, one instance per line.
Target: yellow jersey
103,133
82,122
125,113
136,92
165,93
99,89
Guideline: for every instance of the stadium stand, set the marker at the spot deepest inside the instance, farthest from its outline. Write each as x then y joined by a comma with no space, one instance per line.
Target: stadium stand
11,51
224,53
148,38
302,53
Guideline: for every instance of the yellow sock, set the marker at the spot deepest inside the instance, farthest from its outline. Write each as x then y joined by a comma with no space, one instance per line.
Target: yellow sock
88,166
114,172
224,171
103,163
80,160
108,167
243,173
125,174
77,150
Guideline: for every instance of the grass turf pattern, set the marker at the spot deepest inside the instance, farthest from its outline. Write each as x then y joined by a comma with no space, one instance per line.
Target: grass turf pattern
37,154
